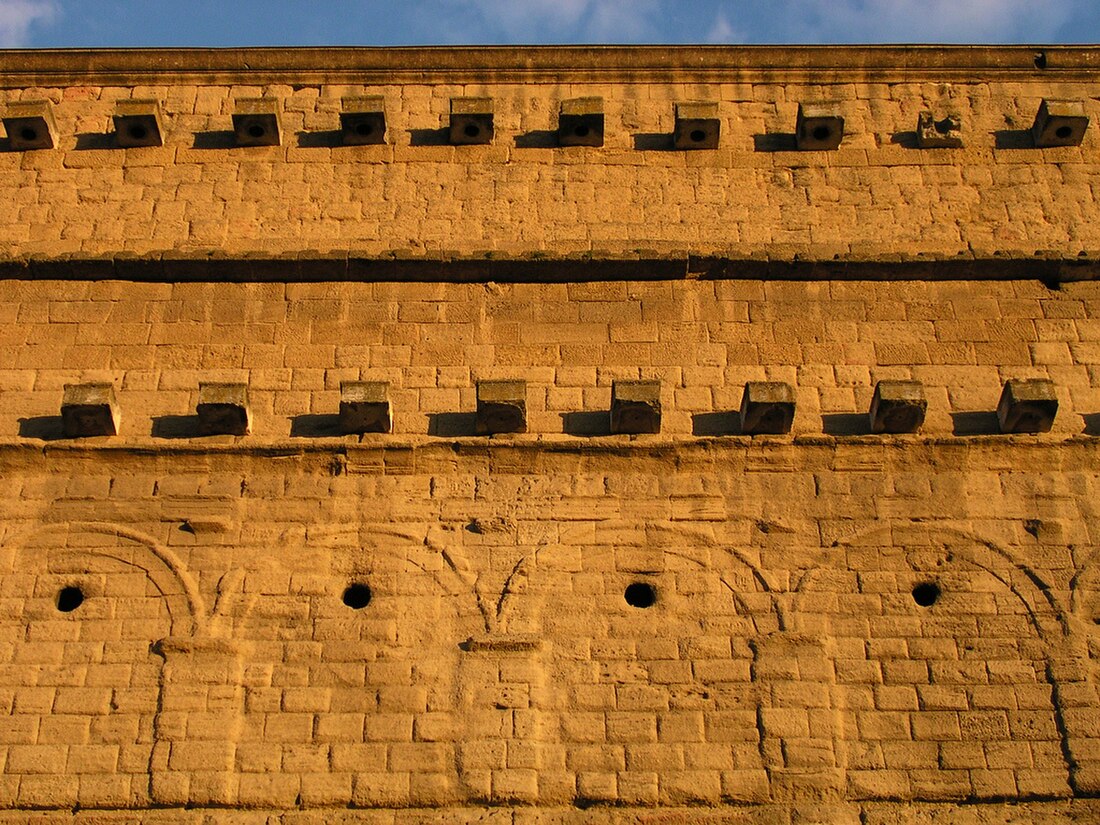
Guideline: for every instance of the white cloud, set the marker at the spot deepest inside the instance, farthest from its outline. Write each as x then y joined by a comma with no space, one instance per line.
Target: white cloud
569,20
914,21
721,31
17,17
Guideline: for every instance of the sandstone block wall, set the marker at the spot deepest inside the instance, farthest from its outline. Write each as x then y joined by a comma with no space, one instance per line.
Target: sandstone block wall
297,626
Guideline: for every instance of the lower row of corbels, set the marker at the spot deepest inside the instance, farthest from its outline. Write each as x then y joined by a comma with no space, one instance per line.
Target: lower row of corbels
767,408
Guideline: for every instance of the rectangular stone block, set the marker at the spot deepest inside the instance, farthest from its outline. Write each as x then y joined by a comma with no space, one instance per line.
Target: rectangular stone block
365,407
636,407
501,407
363,121
767,408
580,122
30,125
898,407
1059,123
471,121
89,410
820,126
256,122
939,134
1027,406
138,123
223,409
697,125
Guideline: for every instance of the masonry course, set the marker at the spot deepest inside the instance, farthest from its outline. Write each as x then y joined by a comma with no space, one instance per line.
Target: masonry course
307,623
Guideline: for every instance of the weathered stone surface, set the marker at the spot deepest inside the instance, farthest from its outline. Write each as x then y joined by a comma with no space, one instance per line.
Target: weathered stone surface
223,409
365,407
501,407
580,122
767,408
30,125
819,126
942,133
636,407
257,121
1027,406
471,120
138,123
697,125
898,407
89,410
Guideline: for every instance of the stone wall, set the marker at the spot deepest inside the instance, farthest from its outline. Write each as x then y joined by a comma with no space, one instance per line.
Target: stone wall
297,626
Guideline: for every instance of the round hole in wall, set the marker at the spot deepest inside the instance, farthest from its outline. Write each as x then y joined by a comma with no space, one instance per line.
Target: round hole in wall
363,129
697,135
581,131
1063,132
256,131
27,133
357,596
139,132
822,132
640,594
926,594
69,599
472,130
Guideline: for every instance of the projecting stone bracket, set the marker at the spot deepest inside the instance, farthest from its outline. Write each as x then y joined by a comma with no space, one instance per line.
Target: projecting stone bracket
471,121
636,407
30,125
898,407
1059,123
767,408
501,407
256,122
697,125
223,409
138,123
363,121
820,126
1027,406
581,122
89,410
365,407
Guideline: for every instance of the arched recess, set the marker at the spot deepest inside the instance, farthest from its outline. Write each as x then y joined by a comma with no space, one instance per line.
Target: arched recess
633,704
940,643
85,604
363,682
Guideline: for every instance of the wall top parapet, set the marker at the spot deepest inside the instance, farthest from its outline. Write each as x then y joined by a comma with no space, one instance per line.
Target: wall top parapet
547,64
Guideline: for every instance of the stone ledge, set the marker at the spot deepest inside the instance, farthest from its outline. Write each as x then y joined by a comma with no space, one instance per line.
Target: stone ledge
548,64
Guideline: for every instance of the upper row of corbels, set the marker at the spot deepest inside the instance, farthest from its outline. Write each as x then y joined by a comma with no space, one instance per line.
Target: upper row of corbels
257,122
767,408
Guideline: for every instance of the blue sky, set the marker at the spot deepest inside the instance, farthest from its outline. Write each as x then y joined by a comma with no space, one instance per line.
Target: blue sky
86,23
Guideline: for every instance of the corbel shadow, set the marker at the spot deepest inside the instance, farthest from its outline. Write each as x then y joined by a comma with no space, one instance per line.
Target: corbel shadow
775,142
315,426
45,427
588,423
716,423
176,426
846,424
1013,139
975,423
538,139
451,424
215,140
429,137
326,139
654,142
